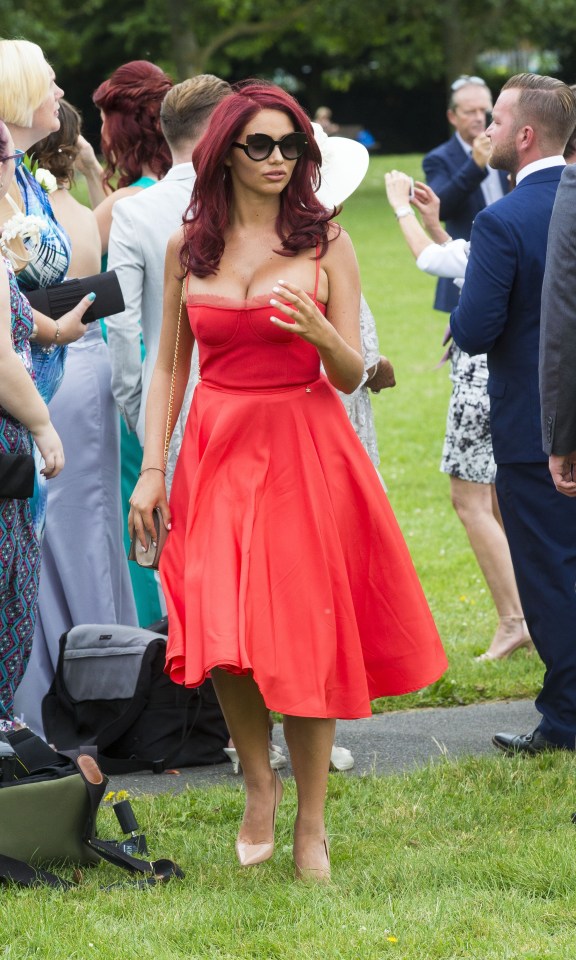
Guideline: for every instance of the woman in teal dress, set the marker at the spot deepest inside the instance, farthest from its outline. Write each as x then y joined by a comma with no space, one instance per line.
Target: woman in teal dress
136,156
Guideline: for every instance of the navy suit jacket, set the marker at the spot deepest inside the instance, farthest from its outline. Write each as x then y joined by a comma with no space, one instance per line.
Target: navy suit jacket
499,310
457,180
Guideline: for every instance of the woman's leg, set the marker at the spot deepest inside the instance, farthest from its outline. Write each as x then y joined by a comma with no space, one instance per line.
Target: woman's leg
476,506
246,717
310,743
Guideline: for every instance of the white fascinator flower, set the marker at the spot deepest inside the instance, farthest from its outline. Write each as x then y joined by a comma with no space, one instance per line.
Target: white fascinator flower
46,179
24,227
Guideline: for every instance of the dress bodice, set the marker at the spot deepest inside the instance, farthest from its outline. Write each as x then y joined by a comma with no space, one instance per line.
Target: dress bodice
240,349
50,258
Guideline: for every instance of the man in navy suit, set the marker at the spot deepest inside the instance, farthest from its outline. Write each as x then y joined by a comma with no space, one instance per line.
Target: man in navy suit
459,173
499,314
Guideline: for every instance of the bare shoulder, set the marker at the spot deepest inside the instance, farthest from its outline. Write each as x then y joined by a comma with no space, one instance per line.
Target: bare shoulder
340,248
175,243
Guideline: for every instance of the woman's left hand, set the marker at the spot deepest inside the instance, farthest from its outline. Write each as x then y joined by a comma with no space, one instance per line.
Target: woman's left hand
308,323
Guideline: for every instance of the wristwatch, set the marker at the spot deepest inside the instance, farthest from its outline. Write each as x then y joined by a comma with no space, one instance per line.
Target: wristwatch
403,212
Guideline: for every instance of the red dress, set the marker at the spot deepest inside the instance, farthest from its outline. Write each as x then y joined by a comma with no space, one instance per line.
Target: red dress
284,557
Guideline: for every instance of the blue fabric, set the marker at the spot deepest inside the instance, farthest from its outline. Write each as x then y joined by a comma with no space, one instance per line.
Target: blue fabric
457,180
48,264
499,310
540,525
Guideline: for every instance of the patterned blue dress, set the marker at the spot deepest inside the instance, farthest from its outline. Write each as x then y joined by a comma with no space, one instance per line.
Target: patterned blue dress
19,549
48,264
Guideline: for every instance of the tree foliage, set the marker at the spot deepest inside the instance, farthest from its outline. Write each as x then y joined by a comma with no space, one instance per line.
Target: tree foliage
405,42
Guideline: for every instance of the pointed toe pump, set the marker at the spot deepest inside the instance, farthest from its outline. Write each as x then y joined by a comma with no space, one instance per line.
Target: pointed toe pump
250,854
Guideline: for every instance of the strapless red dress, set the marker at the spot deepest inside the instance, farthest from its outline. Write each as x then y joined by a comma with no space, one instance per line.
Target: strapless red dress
285,559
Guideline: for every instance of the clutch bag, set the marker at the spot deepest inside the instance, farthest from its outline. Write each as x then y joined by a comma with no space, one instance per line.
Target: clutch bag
17,473
57,300
149,558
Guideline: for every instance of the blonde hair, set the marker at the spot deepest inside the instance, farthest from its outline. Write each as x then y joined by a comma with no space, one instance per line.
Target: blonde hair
25,81
187,107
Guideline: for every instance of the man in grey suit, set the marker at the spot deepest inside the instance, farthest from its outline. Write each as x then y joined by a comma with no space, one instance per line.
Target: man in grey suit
141,227
558,339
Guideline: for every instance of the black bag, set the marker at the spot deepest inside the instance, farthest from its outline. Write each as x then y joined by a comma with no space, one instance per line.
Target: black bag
48,809
17,472
110,691
58,299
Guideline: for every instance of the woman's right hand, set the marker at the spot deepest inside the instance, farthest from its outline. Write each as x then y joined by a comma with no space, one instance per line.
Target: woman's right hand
50,446
149,492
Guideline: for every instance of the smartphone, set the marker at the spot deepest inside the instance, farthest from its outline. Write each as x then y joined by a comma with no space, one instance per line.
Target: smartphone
411,191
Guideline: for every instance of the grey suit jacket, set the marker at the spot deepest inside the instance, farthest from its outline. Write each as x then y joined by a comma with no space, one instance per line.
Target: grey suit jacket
558,324
141,228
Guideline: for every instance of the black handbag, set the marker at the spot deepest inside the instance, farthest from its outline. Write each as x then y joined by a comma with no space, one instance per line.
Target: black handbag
57,300
17,472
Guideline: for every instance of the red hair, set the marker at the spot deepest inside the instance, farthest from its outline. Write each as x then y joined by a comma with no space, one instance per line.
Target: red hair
130,100
302,221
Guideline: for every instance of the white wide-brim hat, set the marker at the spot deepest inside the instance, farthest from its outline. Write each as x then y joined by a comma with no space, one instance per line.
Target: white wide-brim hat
344,166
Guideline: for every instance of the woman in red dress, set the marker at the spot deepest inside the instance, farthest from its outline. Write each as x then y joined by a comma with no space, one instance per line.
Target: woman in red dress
285,573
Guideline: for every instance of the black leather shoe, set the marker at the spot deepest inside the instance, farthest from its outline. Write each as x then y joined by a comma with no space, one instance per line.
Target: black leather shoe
527,743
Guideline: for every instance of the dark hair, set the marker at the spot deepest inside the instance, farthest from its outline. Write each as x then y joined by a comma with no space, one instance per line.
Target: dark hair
4,135
187,106
58,151
548,104
302,222
131,99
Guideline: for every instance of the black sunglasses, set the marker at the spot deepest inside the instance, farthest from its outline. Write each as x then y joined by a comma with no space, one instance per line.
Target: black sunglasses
259,146
17,157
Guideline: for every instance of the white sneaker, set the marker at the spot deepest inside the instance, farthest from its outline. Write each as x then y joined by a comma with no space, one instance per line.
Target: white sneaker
341,759
277,758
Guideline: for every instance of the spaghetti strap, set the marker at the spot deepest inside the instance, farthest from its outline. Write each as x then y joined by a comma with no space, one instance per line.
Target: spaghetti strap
315,297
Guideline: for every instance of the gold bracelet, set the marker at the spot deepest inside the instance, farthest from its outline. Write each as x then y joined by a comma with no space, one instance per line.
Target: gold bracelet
160,470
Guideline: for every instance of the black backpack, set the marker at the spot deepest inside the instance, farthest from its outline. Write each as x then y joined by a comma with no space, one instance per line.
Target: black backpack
110,691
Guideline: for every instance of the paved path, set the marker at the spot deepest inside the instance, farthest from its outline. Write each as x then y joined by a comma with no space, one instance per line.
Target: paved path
387,743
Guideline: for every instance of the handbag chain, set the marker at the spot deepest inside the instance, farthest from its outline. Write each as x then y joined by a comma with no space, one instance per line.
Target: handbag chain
168,433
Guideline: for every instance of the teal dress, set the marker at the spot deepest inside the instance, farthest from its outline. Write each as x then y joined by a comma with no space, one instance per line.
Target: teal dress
144,582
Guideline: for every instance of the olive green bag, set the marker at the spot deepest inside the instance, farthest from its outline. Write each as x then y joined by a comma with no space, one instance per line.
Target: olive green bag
48,807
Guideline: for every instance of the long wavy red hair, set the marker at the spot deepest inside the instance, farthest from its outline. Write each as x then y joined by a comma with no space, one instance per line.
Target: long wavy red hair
130,100
302,223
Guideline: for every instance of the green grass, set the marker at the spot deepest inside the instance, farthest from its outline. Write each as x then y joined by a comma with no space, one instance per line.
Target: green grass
471,860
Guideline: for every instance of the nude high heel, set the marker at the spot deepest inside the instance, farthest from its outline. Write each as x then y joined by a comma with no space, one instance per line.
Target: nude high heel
249,854
314,874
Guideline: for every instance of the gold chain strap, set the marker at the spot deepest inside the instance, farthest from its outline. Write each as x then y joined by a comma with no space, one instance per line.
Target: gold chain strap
173,380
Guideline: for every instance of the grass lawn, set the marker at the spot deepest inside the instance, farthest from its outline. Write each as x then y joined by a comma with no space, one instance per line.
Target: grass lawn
468,860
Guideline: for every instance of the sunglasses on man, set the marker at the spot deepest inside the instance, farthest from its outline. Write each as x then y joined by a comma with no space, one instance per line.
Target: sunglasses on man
465,80
259,146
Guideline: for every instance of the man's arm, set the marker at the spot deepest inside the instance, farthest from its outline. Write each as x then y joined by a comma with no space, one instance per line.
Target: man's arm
482,312
558,336
124,329
453,186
